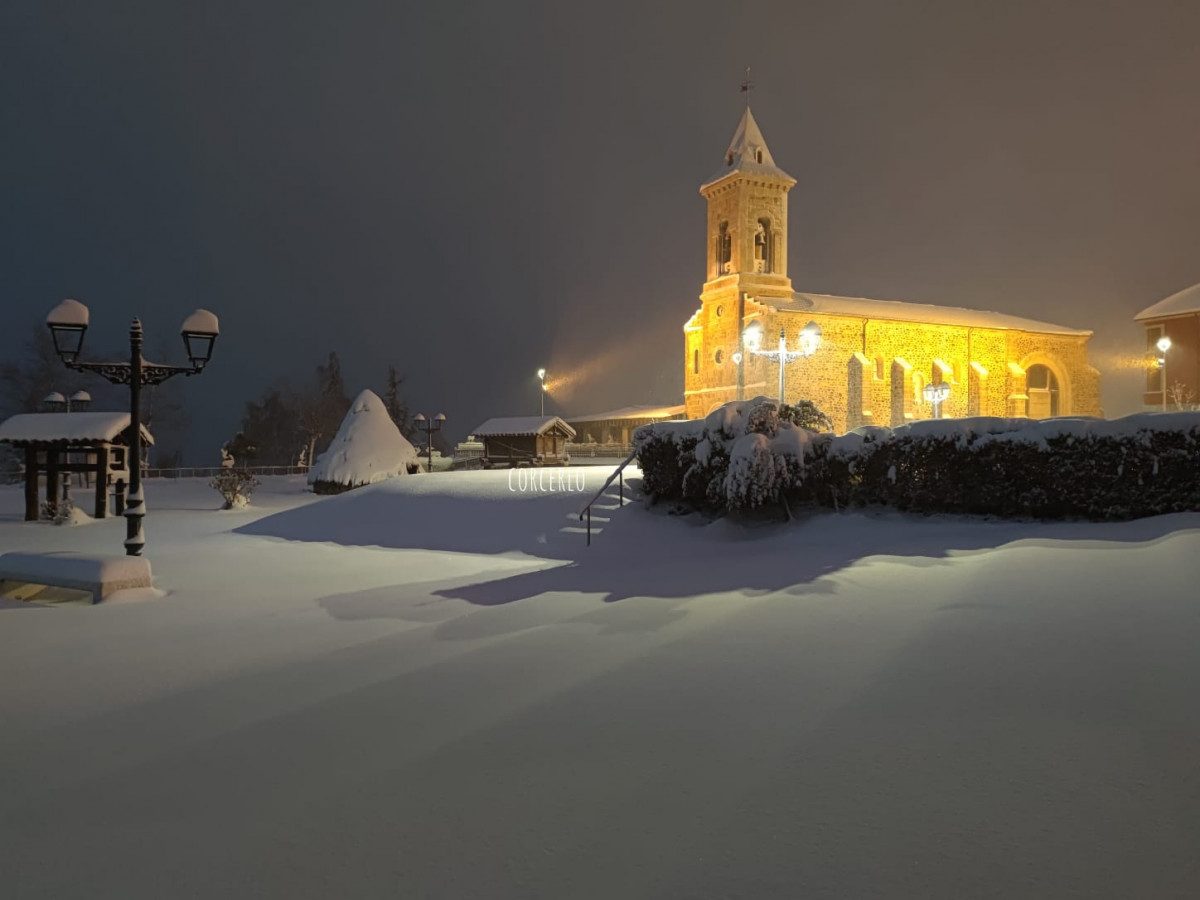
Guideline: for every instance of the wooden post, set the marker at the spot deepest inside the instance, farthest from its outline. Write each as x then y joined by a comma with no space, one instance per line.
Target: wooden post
52,488
102,481
31,483
119,498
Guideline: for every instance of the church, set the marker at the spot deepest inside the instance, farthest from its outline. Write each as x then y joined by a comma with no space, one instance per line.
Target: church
866,362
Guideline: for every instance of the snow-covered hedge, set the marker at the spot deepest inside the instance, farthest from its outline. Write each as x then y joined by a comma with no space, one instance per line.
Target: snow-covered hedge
743,456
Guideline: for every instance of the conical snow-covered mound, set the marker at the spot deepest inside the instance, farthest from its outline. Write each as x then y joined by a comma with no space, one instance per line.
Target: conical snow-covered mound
367,448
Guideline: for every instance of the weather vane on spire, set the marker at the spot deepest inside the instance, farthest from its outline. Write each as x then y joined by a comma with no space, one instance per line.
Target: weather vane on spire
747,87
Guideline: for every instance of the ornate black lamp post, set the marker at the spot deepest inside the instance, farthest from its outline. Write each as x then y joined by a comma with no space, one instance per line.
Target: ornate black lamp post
429,426
68,321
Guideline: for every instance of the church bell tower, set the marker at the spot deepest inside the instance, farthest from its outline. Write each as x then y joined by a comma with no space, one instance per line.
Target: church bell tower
746,262
747,215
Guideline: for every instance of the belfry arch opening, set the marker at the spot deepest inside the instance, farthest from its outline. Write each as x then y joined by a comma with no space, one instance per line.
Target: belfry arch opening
763,241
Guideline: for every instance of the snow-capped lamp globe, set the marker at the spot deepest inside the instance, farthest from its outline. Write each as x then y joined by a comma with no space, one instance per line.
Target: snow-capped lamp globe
54,402
67,322
199,332
79,402
936,393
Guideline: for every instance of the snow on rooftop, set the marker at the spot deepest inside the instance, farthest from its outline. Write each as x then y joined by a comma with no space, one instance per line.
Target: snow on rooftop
1186,302
904,311
367,448
748,154
73,427
520,425
634,412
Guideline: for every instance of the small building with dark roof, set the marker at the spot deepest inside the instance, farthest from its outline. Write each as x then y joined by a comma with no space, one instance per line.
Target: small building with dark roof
60,443
524,441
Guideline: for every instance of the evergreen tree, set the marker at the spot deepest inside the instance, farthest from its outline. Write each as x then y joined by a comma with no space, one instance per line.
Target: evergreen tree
25,383
321,409
397,407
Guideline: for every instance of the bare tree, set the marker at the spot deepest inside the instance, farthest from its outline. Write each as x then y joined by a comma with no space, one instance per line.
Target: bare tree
1183,397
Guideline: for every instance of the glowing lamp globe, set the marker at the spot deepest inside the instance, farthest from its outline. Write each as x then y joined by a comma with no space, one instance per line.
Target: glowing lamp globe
810,338
1164,344
936,392
752,337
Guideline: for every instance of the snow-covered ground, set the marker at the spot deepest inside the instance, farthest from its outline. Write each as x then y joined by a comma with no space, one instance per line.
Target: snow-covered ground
431,687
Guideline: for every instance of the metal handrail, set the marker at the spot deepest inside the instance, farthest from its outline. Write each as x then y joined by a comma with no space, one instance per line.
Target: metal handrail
620,476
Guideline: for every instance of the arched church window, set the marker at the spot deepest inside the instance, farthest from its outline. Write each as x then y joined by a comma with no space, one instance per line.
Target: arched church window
695,362
719,357
1042,387
758,155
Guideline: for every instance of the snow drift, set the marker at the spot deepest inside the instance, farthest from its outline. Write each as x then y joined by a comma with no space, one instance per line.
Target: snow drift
368,448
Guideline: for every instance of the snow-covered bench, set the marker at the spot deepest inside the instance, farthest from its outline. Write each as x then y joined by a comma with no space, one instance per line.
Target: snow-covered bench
23,574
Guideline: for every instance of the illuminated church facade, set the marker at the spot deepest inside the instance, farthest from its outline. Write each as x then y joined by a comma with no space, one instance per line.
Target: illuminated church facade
875,357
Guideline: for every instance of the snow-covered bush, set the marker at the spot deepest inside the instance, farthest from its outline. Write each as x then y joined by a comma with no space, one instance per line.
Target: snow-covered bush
235,486
368,448
738,458
743,455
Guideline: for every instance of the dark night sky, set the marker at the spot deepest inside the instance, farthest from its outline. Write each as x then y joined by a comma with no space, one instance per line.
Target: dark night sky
471,190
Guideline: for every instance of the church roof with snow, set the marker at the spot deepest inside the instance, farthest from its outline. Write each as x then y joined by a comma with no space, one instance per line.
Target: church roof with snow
903,311
748,155
1186,302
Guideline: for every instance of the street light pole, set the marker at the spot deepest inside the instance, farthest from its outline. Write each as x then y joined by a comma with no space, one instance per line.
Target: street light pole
810,340
429,426
542,393
936,393
68,321
1164,344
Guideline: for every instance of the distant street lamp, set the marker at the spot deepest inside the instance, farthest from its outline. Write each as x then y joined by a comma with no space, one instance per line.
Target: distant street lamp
77,402
429,426
68,321
936,393
1164,344
542,392
810,340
